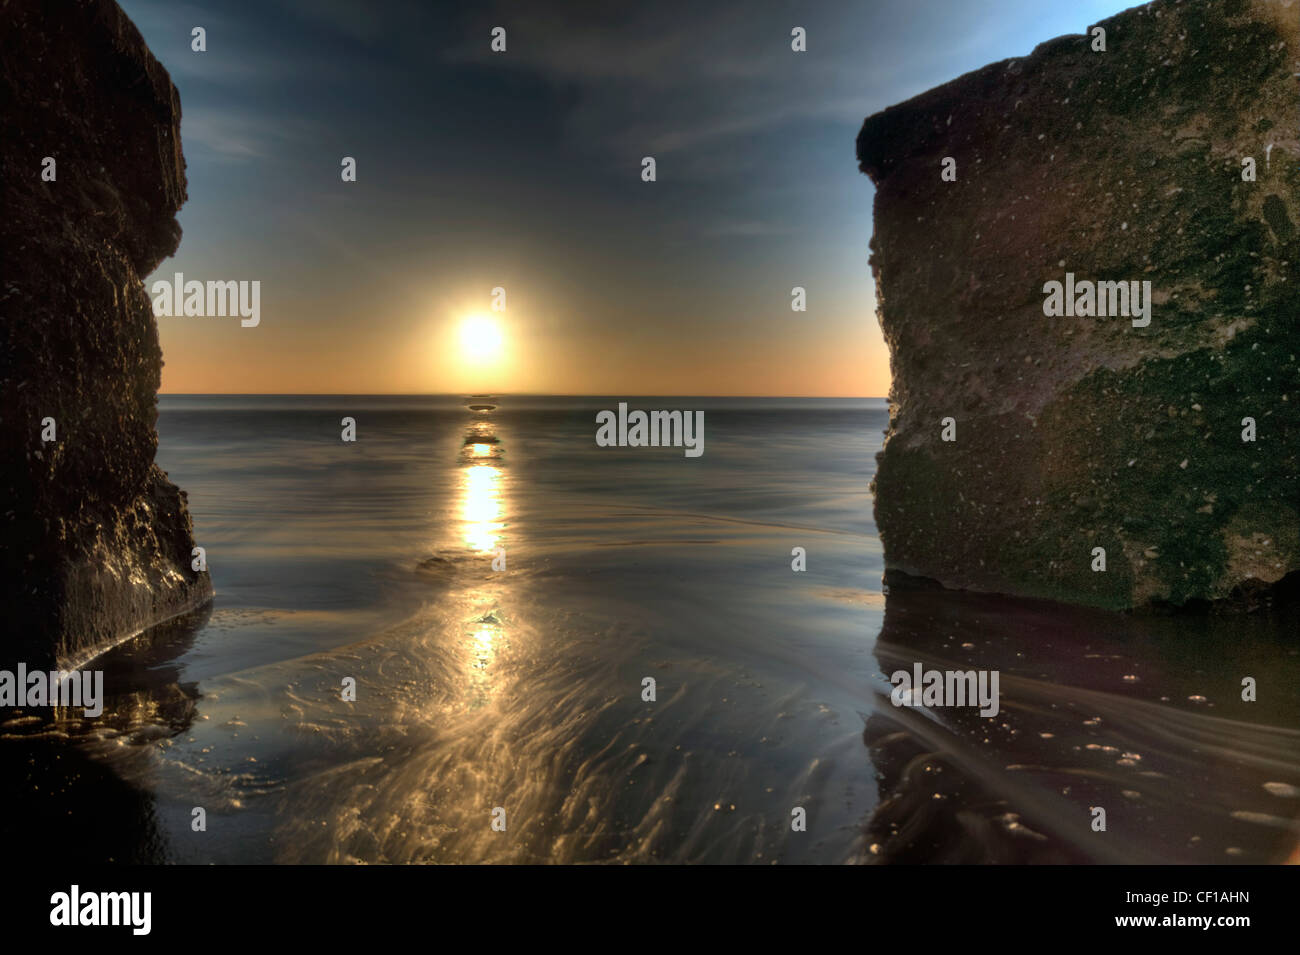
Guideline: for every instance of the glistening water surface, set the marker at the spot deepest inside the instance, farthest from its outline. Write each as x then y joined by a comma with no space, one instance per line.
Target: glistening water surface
522,688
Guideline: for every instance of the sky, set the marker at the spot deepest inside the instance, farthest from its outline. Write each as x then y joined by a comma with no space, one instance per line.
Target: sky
522,170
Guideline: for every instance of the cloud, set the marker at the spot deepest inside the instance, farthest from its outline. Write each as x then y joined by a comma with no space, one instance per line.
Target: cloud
745,230
240,135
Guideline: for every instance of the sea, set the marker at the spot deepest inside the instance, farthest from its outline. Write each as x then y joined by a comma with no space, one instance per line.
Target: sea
473,635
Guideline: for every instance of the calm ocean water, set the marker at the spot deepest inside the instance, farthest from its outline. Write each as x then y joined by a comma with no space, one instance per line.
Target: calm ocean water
522,688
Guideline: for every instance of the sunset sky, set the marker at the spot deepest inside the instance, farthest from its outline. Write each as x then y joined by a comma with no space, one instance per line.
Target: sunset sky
522,170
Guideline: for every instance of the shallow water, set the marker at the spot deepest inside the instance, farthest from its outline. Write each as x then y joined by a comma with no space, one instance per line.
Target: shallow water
1138,714
522,688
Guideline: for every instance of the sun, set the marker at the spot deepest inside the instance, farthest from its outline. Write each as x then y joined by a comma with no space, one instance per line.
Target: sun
481,340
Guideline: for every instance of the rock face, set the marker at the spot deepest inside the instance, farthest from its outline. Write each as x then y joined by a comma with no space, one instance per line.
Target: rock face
1073,432
96,540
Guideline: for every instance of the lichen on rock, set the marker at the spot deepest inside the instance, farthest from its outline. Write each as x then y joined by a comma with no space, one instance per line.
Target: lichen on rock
1076,433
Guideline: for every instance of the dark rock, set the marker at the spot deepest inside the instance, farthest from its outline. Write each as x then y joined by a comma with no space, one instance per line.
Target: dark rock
96,540
1075,432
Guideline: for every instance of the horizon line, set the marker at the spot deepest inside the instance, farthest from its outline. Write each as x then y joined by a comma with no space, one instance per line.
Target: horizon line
496,394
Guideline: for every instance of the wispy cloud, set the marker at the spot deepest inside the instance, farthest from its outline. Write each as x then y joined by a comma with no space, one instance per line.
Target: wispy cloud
745,230
240,135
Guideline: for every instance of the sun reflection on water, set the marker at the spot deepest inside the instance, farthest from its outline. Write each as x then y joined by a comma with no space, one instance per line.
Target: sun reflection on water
481,508
484,641
482,511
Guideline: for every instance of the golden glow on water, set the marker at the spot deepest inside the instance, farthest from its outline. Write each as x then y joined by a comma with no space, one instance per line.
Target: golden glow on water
481,507
481,648
483,643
